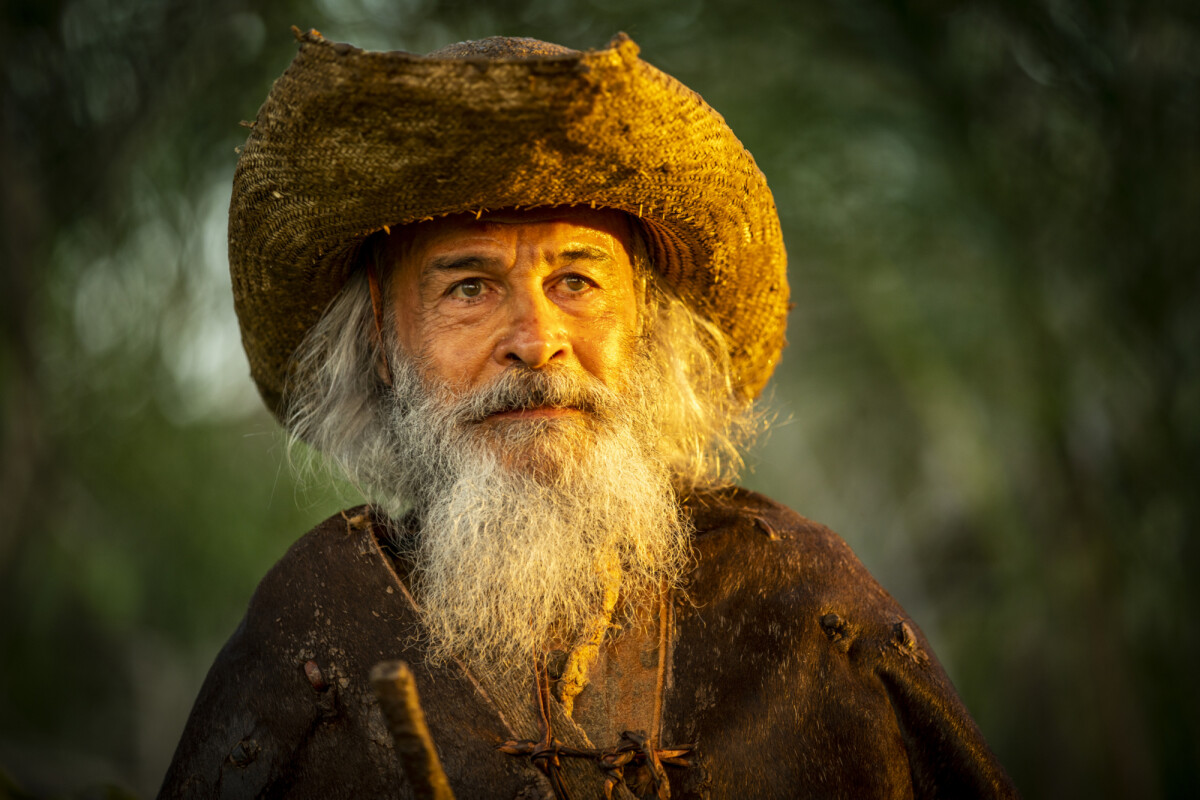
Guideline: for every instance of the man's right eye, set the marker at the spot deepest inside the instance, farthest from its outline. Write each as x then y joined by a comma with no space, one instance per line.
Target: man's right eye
468,289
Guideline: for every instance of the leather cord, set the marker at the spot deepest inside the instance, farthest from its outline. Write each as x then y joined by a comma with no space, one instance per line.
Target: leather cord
634,747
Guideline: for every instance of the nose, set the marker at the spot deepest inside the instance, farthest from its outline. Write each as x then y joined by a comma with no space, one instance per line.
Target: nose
536,334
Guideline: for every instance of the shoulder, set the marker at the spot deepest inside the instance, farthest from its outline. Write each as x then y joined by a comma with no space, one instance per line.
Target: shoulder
746,542
332,574
343,540
291,665
337,558
788,585
782,620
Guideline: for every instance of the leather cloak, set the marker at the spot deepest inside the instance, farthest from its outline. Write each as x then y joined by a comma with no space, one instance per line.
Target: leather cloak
790,670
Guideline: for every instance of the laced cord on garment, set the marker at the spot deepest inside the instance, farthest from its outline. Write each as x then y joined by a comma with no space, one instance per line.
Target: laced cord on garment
634,749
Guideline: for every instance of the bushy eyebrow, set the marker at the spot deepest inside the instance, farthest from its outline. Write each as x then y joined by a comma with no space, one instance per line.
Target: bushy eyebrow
585,252
452,263
572,254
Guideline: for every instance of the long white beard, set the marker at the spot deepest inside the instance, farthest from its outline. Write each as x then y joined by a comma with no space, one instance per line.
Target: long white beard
528,527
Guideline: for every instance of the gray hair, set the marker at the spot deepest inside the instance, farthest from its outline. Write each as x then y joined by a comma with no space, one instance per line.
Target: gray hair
337,400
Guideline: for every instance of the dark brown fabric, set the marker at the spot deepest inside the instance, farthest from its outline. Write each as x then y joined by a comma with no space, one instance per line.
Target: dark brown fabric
790,669
351,142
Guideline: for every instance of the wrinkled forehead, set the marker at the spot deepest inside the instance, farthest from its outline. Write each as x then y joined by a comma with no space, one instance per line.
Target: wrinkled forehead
616,229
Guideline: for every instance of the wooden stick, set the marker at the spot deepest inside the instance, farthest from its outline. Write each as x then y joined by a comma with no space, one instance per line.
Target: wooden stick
397,692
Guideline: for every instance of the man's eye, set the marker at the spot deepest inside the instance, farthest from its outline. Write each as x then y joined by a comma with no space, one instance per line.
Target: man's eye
574,283
469,289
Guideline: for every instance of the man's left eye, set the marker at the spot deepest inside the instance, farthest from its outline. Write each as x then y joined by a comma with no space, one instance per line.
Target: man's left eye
575,283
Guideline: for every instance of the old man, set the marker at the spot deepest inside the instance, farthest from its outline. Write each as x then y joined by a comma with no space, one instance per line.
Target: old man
524,297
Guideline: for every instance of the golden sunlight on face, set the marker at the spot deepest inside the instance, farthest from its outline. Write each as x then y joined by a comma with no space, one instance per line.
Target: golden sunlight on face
544,289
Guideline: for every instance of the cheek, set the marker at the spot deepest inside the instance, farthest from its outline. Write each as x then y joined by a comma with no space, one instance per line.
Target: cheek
457,355
607,347
444,343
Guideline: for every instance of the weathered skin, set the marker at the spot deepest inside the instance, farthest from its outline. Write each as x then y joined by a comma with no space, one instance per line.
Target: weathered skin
790,669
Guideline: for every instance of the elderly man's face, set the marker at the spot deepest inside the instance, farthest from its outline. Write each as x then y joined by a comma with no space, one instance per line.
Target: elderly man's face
544,289
521,431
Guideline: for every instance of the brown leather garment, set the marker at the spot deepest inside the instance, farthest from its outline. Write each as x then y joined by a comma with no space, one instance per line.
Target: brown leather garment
788,667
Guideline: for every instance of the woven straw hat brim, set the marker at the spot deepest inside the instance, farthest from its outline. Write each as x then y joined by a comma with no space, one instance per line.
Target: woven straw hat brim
350,141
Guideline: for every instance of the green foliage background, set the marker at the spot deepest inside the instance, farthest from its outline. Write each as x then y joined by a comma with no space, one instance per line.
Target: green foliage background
991,390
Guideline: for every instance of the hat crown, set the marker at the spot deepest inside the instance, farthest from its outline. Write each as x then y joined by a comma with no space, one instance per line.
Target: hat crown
503,48
353,142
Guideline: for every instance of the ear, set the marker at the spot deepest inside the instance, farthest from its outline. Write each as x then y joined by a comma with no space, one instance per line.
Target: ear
382,367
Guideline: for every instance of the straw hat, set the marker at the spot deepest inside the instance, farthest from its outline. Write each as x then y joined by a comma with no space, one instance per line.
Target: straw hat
351,141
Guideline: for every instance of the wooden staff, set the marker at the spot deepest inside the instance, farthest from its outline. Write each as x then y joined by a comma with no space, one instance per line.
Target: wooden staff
397,692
